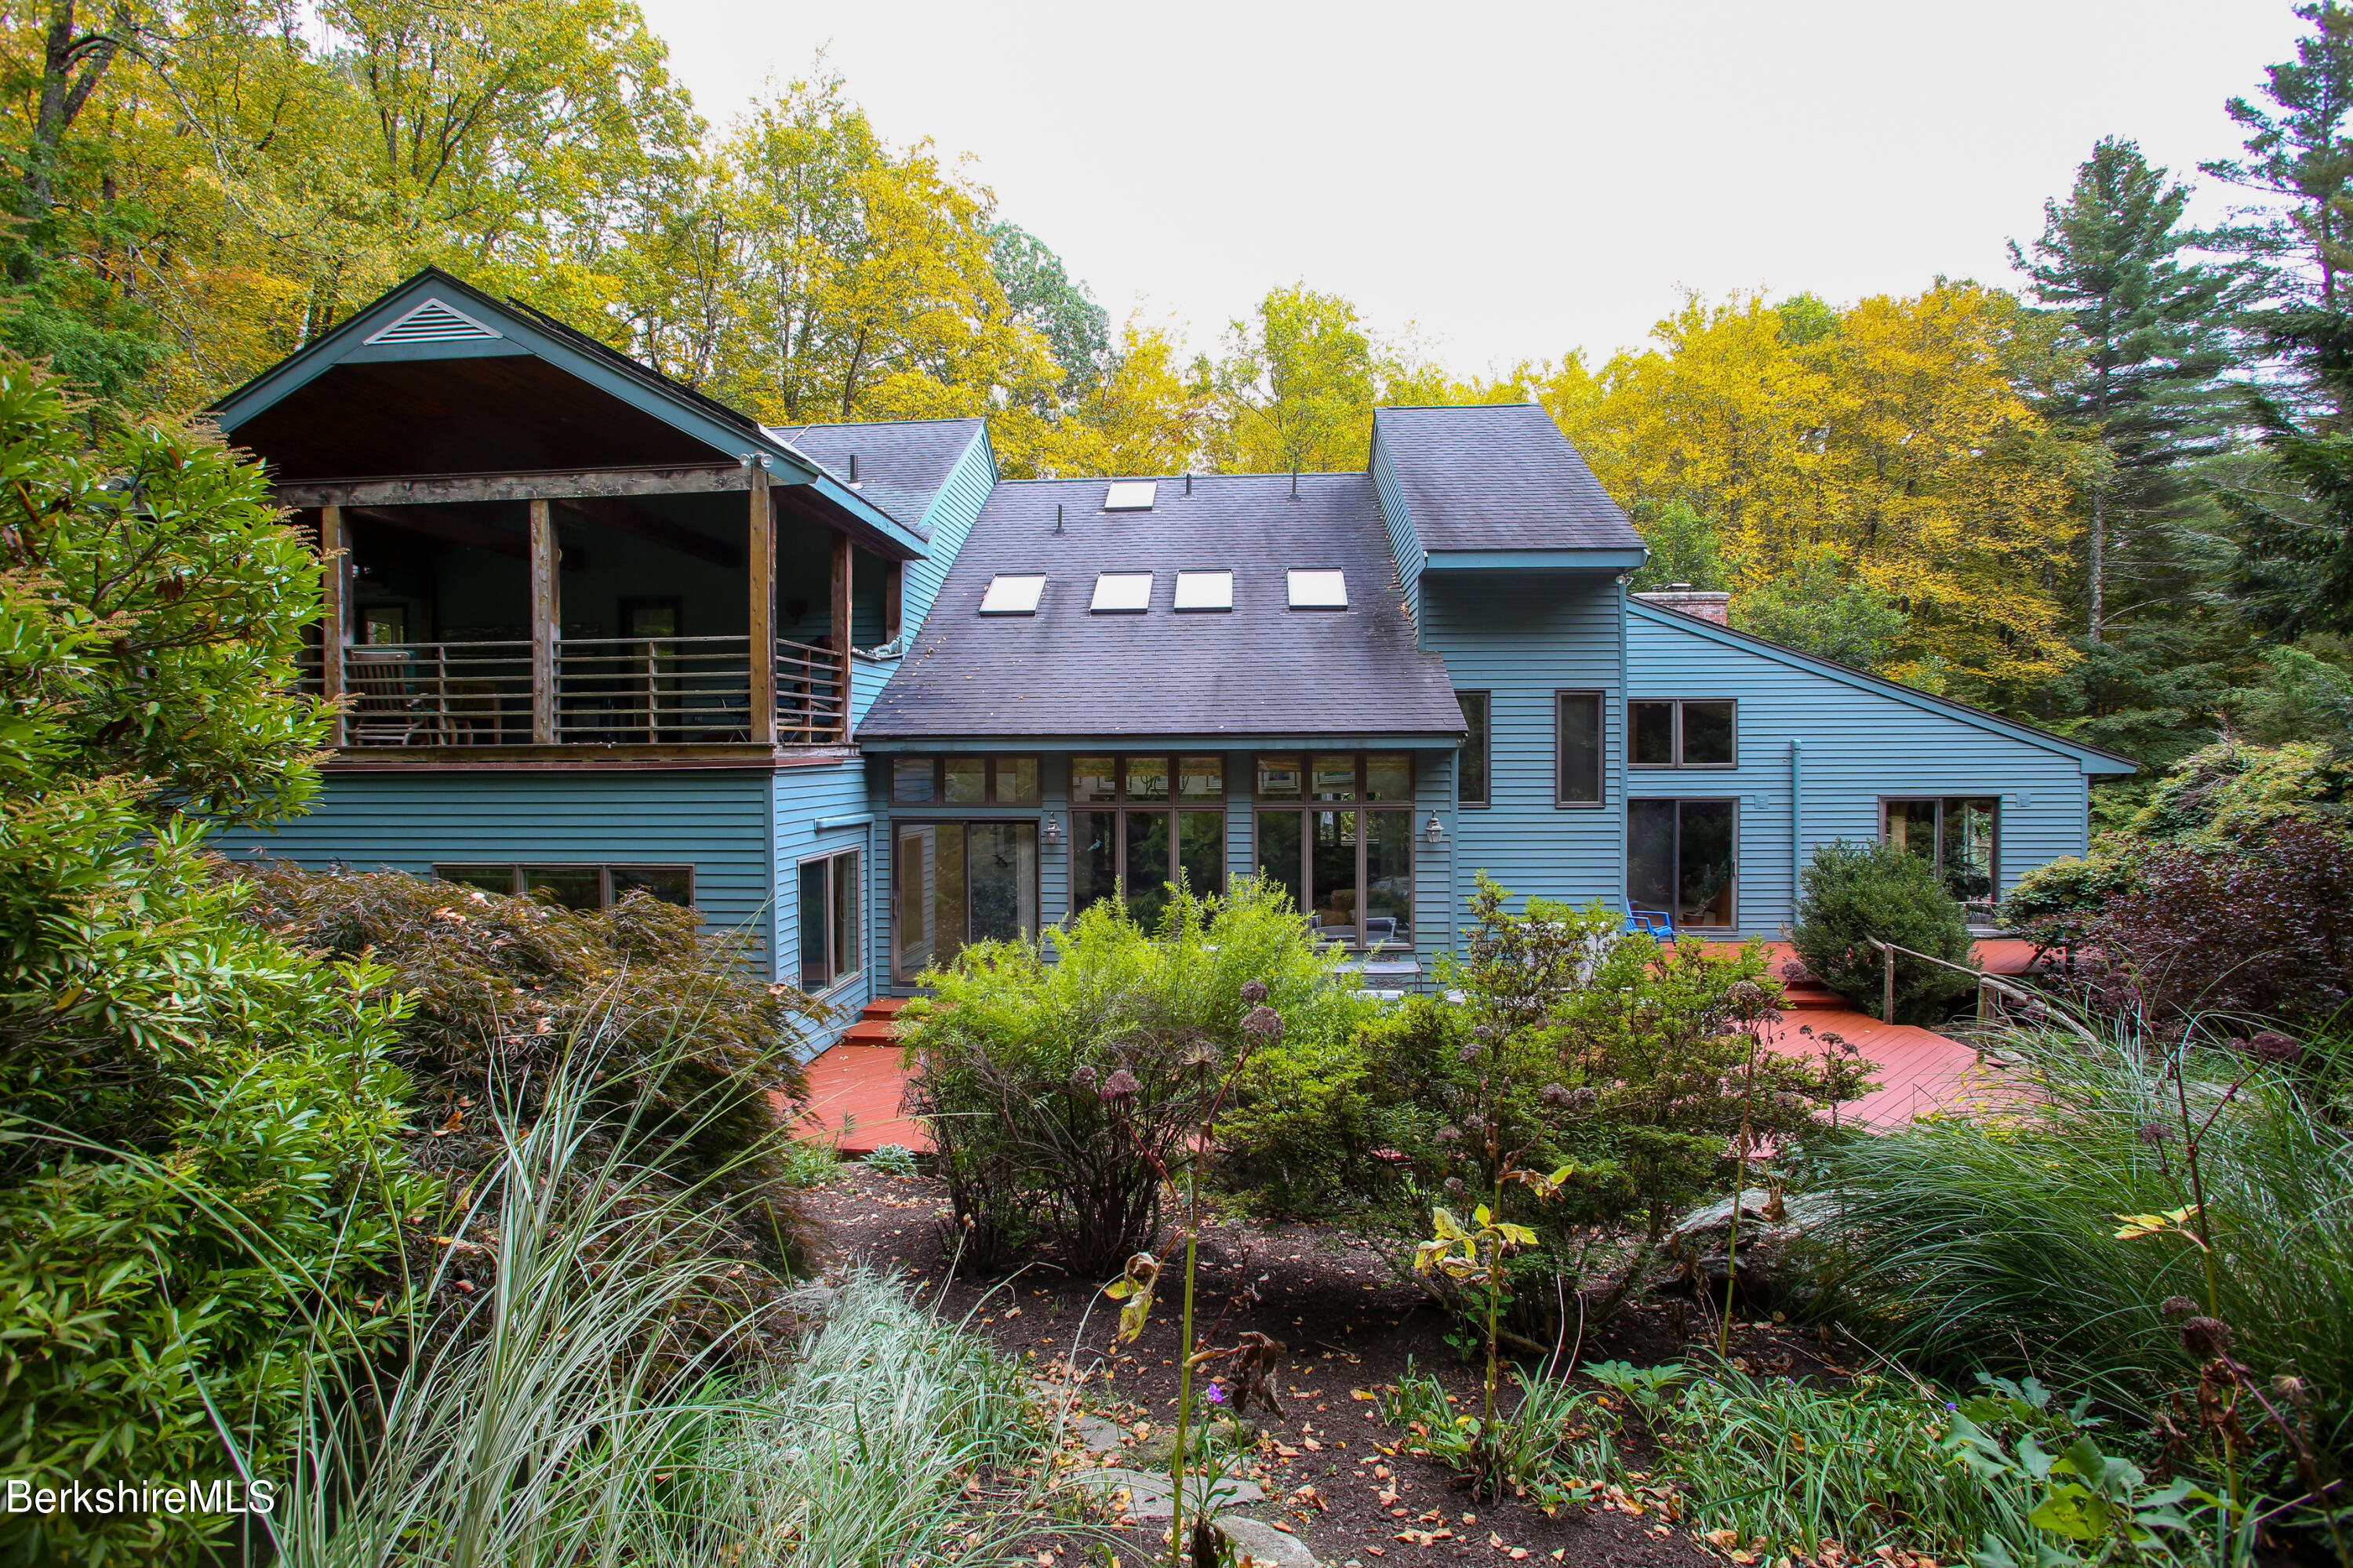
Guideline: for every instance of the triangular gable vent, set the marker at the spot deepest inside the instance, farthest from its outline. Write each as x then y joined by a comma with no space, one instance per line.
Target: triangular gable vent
433,322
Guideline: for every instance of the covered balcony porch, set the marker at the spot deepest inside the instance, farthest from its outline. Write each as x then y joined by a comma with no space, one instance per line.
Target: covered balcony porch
685,612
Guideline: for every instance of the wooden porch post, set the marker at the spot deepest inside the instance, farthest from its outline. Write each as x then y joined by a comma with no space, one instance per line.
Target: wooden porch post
544,625
842,620
334,553
760,565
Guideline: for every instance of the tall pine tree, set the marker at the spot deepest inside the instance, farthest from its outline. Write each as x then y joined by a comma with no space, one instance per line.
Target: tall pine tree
2146,324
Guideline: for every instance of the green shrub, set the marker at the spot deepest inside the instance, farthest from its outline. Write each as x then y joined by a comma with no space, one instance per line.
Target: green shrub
1577,1044
1053,1073
894,1159
2231,785
2055,904
1852,892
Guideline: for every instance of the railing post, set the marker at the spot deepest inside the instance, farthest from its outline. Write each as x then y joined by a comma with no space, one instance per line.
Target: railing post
334,556
841,623
544,625
759,561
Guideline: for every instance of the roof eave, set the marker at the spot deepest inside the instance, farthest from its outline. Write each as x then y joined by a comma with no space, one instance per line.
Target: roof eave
1570,558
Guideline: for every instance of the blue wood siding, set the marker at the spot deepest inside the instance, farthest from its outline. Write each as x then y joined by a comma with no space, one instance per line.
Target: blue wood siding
1857,746
1522,638
715,820
950,519
1404,544
800,799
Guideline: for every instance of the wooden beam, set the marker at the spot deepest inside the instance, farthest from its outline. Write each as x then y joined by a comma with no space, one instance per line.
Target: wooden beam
544,625
468,531
661,531
762,536
424,488
841,549
335,625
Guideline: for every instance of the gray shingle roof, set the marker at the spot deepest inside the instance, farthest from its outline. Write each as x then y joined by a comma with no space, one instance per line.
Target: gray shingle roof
1261,669
901,464
1498,476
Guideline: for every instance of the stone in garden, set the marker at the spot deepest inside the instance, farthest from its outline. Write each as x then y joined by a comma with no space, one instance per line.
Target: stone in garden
1098,1436
1254,1540
1771,1259
1149,1497
1225,1435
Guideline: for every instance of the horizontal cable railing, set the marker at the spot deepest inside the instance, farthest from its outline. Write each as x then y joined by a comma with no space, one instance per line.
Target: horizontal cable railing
812,700
653,691
438,694
610,691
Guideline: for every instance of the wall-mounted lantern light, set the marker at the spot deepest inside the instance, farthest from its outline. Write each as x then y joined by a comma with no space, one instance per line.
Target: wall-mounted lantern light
1050,829
1436,831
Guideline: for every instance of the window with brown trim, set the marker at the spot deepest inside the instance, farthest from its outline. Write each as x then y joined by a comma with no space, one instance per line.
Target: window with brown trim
1473,767
1578,750
1336,829
574,885
1140,823
832,898
1677,734
964,780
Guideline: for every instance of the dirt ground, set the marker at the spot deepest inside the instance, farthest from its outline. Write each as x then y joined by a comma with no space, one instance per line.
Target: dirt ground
1333,1474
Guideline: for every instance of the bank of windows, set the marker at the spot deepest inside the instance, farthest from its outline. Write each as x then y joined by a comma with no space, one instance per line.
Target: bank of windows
1471,773
1661,734
954,884
1336,829
964,780
1958,834
574,885
1681,859
830,905
1140,823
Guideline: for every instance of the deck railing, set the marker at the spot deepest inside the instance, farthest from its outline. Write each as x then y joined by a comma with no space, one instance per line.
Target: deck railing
609,691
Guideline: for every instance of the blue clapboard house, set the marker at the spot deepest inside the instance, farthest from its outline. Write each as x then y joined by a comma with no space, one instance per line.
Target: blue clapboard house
844,688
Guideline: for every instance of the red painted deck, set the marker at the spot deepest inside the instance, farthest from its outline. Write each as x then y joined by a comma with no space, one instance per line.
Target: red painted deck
856,1086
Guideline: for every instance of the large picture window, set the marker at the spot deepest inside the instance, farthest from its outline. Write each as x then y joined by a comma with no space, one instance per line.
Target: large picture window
1140,823
1661,734
957,882
574,887
1578,747
1680,860
1960,836
1473,766
1336,829
831,950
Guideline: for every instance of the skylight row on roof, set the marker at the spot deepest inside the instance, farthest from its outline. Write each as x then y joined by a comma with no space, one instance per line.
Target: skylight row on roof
1130,592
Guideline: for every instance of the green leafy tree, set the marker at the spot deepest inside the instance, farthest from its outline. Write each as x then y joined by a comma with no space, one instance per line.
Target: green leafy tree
1296,386
1820,606
1684,547
2298,154
1049,303
2293,572
2148,329
200,1187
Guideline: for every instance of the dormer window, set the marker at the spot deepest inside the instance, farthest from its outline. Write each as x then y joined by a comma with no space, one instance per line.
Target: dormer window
1130,495
1319,590
1121,593
1013,593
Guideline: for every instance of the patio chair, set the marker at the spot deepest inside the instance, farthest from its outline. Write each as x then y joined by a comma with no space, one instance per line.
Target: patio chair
1656,922
384,711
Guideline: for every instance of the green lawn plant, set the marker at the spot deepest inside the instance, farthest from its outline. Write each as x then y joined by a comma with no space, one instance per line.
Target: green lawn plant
1851,894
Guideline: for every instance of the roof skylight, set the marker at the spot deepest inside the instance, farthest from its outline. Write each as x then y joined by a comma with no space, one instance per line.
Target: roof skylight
1121,593
1318,590
1130,495
1013,593
1205,590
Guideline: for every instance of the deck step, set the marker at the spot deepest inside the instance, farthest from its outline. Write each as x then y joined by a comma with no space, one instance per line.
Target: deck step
1810,995
871,1032
884,1007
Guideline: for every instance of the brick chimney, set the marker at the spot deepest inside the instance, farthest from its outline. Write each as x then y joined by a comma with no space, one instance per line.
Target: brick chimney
1700,604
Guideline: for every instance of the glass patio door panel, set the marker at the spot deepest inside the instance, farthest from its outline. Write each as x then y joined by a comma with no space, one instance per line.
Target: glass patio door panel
1968,849
915,869
1094,857
1651,854
1388,878
1201,851
1332,871
1703,863
1146,863
1002,869
1278,850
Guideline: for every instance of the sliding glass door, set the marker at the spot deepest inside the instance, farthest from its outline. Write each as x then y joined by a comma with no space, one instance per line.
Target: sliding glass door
1959,835
956,882
1680,859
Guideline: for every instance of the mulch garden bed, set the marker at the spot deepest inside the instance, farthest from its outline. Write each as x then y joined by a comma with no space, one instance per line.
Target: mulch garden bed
1333,1474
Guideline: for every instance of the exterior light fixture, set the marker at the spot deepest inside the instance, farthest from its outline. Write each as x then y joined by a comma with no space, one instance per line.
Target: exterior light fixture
1050,829
1436,831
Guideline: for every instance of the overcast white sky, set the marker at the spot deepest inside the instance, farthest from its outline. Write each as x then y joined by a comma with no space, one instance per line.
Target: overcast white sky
1513,179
